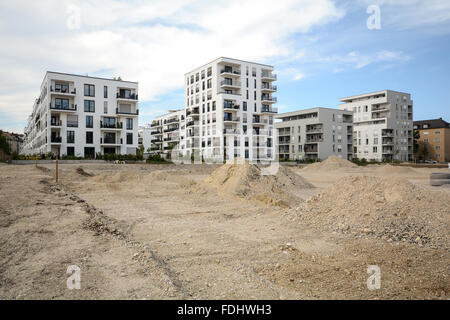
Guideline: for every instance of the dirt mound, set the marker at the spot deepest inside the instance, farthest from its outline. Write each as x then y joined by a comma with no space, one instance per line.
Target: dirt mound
330,164
81,172
248,182
119,177
390,169
388,208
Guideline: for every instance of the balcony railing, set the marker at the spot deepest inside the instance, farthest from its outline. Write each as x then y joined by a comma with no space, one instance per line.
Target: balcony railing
231,131
72,124
118,111
268,87
56,123
171,130
70,107
56,139
225,83
236,72
259,121
269,75
132,96
66,91
269,110
231,119
117,125
267,98
230,105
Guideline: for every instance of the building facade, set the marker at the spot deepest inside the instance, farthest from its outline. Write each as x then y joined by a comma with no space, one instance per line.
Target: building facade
315,134
383,125
82,116
434,140
166,134
229,110
14,140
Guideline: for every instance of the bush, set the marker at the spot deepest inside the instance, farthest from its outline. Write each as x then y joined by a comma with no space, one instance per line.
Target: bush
156,159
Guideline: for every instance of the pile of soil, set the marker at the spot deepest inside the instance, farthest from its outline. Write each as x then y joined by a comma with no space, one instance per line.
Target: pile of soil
83,173
332,163
119,177
247,181
388,208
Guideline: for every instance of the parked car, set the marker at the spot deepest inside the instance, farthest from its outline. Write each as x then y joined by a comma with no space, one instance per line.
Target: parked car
431,161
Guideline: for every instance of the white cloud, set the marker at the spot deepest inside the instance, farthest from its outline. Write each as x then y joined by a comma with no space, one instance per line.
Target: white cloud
154,42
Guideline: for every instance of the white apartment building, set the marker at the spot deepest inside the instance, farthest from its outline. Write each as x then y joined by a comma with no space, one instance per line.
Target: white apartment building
229,106
80,116
383,125
166,132
314,134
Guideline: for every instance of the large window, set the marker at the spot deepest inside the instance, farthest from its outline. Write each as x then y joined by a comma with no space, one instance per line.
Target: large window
70,136
70,151
89,90
129,138
109,122
89,152
62,87
109,137
89,137
89,106
89,121
129,124
61,103
105,92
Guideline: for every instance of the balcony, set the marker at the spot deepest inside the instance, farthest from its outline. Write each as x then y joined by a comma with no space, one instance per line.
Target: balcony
388,142
311,149
314,129
192,123
117,125
69,108
259,121
63,91
56,140
267,99
72,124
230,72
111,142
128,113
156,141
231,119
268,87
269,110
230,84
153,125
231,131
127,96
171,130
387,133
269,76
56,123
227,105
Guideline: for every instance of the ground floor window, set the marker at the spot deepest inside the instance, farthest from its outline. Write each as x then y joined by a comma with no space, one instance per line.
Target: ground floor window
110,151
89,153
70,151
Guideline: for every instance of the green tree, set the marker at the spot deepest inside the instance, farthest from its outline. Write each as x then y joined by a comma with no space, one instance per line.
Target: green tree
3,143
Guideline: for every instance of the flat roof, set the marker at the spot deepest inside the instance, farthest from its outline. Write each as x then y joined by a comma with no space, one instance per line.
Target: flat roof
265,65
310,110
370,94
81,76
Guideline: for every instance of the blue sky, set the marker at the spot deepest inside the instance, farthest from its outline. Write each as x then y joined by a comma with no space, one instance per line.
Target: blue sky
322,50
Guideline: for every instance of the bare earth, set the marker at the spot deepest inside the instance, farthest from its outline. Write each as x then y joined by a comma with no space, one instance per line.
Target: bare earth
153,232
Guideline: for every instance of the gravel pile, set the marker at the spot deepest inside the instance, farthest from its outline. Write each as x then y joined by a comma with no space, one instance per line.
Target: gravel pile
389,208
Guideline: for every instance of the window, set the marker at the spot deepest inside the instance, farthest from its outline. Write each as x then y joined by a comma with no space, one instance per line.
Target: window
109,137
105,92
70,151
61,87
213,106
425,140
129,124
61,103
89,137
247,82
109,122
89,152
437,132
438,147
89,106
244,105
375,149
255,83
89,121
105,107
70,136
89,90
438,139
129,138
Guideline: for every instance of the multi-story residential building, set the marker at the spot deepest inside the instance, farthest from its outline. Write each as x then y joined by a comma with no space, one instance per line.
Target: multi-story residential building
383,125
81,116
315,134
166,132
229,106
434,140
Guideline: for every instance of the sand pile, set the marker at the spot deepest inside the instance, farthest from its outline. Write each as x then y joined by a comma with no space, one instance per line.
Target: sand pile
332,163
119,177
246,181
390,169
388,208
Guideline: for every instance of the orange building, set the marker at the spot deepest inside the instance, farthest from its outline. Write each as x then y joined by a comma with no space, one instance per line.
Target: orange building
434,141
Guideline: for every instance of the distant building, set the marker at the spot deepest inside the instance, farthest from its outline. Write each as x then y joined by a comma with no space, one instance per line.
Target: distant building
315,134
166,133
383,125
434,141
15,141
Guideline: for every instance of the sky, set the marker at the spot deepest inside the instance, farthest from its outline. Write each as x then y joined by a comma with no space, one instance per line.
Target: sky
322,50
